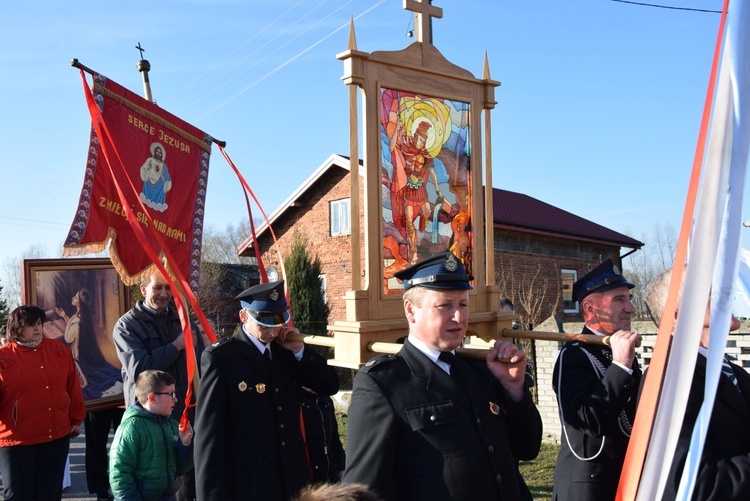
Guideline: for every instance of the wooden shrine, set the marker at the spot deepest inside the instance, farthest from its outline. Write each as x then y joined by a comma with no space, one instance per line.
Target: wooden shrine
423,119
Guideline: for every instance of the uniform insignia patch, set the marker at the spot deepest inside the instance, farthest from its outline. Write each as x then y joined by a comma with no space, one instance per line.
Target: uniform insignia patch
260,387
242,386
451,263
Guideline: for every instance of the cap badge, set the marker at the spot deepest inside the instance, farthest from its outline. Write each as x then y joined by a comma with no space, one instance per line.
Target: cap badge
494,408
451,263
242,386
616,270
274,295
260,387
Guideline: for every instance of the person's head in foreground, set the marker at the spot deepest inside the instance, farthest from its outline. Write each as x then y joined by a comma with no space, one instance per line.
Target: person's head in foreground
155,392
436,300
605,299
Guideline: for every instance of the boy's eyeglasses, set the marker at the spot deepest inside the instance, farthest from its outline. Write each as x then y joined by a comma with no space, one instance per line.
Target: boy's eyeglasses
171,394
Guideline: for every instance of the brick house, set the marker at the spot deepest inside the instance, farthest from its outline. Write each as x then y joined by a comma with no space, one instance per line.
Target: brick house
535,243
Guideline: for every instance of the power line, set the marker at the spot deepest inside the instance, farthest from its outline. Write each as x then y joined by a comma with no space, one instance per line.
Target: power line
215,88
218,63
286,63
668,7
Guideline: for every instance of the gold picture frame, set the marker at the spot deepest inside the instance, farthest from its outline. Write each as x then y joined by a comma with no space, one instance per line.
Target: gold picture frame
83,299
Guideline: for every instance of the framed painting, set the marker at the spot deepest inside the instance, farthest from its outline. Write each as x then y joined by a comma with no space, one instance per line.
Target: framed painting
83,299
426,180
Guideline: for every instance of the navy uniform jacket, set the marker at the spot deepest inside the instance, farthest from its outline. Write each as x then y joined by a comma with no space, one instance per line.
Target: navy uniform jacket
414,432
248,441
724,472
590,414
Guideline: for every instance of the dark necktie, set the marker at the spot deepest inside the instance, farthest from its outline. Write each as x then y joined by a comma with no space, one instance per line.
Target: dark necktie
726,369
450,359
267,358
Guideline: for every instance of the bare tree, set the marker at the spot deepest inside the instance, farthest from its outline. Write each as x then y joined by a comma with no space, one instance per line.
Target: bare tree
221,246
656,256
534,295
10,272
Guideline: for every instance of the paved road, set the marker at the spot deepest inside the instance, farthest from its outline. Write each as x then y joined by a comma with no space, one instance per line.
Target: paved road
78,490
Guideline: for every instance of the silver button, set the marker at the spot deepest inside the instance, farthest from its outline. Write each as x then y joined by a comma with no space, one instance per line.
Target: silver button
433,418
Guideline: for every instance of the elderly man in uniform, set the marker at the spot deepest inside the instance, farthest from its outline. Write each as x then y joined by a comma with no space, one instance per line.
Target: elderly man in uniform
596,388
249,443
425,424
724,471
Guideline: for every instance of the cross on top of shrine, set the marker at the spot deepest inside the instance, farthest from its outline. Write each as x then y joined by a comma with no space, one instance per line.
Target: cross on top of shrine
424,11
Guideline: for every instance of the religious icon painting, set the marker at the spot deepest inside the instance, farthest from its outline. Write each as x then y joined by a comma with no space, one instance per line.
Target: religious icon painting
426,180
83,299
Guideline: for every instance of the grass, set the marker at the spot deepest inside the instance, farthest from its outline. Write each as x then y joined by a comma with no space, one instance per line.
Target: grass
538,473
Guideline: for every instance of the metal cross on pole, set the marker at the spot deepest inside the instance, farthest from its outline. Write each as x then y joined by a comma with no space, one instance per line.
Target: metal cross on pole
144,67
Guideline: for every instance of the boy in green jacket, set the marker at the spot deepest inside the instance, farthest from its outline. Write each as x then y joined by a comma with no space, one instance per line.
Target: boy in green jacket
149,453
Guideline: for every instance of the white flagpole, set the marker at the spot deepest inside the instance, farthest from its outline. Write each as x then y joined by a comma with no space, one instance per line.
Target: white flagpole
727,265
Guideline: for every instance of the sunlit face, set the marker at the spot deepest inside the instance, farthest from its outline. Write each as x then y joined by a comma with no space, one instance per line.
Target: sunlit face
263,334
441,319
163,402
609,311
157,294
31,333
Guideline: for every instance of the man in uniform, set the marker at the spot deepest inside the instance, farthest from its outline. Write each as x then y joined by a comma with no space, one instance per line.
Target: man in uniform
150,336
724,471
248,439
596,388
425,424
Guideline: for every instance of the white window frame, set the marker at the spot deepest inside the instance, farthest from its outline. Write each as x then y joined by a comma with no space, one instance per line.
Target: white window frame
563,272
323,287
340,217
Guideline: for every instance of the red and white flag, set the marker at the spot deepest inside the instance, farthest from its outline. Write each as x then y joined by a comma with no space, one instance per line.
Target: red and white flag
160,165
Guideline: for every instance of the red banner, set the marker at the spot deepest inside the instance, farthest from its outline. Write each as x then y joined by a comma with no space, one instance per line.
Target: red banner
162,172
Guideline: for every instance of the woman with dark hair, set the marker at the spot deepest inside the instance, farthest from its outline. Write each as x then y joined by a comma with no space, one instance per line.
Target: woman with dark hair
41,408
96,374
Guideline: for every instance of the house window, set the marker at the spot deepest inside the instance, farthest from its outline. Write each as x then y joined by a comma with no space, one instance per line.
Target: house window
323,285
340,223
568,278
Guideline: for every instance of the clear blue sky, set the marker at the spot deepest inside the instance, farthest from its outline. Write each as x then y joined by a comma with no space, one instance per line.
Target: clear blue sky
597,114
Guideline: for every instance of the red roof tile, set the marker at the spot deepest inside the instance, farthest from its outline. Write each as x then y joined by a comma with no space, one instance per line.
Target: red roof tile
522,211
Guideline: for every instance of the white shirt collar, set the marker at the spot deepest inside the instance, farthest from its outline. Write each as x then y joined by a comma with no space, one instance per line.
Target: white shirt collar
261,347
596,333
429,352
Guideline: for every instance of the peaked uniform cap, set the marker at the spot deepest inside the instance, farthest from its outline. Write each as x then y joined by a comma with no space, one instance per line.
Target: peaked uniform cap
266,304
441,271
604,277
